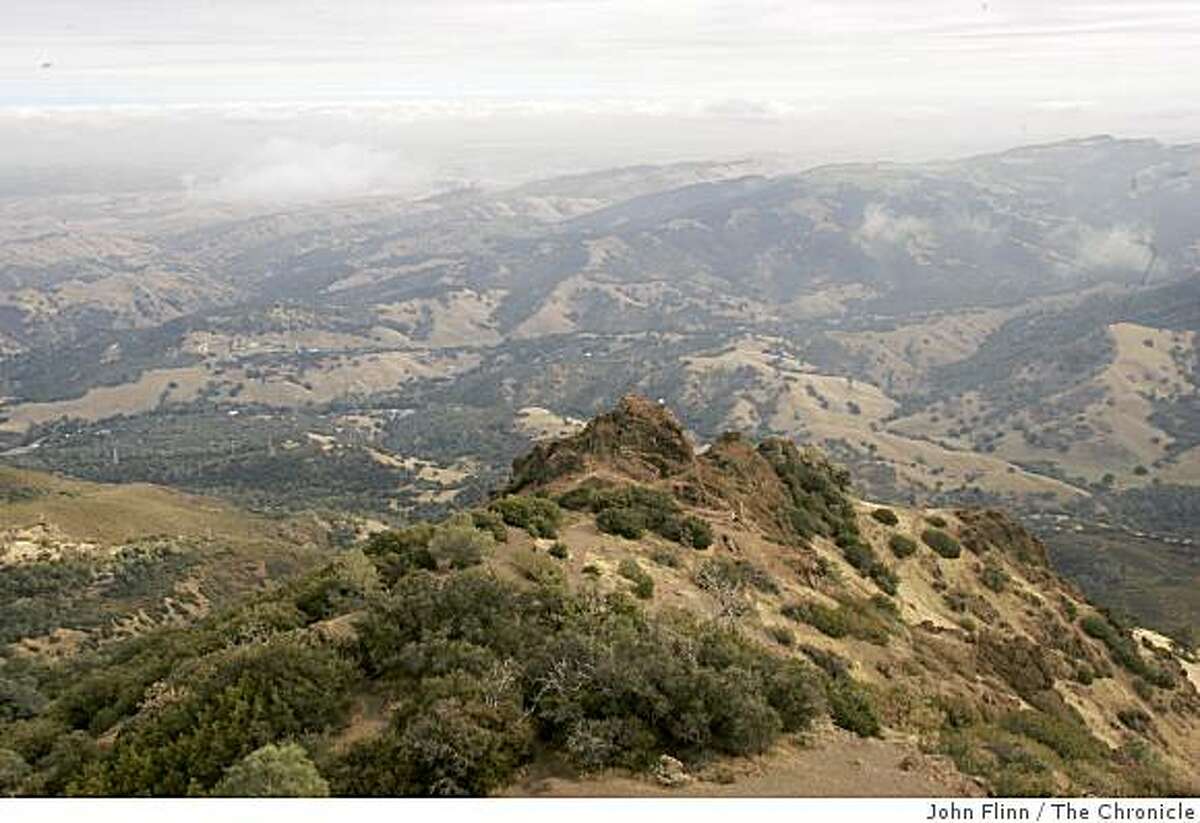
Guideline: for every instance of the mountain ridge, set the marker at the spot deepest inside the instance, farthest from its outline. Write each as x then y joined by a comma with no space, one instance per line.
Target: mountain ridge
631,610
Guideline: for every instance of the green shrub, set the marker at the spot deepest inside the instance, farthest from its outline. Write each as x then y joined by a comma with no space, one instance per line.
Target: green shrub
539,516
829,662
605,683
273,771
537,568
13,772
491,523
886,579
957,712
580,498
460,546
460,748
1124,651
851,707
885,606
697,533
630,511
55,773
481,672
401,551
793,689
1069,608
399,541
1135,720
1010,766
665,557
643,584
593,744
994,578
1069,740
559,550
623,522
340,586
942,543
858,554
936,520
860,619
816,489
732,575
657,505
902,546
885,516
782,635
19,697
230,703
453,744
831,622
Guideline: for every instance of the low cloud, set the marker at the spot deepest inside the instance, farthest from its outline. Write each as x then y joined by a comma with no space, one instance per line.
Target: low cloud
1123,248
290,171
736,108
883,230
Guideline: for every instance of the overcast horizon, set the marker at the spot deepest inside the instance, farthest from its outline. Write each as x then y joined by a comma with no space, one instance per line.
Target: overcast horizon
375,96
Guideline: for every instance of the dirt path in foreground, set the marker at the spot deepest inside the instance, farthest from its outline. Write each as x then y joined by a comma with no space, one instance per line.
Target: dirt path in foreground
835,764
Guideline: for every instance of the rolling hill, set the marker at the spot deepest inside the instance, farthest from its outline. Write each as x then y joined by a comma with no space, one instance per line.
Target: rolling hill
1015,329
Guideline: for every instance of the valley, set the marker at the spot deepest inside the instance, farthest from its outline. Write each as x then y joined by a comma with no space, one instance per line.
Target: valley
1015,329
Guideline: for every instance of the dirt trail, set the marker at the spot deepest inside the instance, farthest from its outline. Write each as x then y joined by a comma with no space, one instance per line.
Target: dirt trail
836,764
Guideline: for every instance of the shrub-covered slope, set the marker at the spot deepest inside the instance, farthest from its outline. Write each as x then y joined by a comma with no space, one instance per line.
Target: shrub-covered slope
630,608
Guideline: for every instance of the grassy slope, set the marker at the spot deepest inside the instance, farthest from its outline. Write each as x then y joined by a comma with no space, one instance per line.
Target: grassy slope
88,561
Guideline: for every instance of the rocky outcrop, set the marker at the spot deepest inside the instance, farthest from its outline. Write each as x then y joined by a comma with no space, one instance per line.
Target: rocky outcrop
639,437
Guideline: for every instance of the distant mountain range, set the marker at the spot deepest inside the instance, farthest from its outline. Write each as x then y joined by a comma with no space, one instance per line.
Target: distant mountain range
1018,328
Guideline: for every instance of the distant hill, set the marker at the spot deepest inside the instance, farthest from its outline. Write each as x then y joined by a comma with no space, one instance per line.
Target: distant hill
84,564
1015,329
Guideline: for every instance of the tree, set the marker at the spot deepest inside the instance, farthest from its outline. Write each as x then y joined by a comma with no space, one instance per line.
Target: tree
13,771
273,771
460,545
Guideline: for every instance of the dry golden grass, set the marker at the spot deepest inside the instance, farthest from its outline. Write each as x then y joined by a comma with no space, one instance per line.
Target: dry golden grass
459,318
106,401
328,380
542,424
791,398
94,513
1123,437
905,354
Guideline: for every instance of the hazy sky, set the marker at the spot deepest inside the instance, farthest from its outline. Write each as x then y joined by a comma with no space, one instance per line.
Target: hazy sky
853,78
